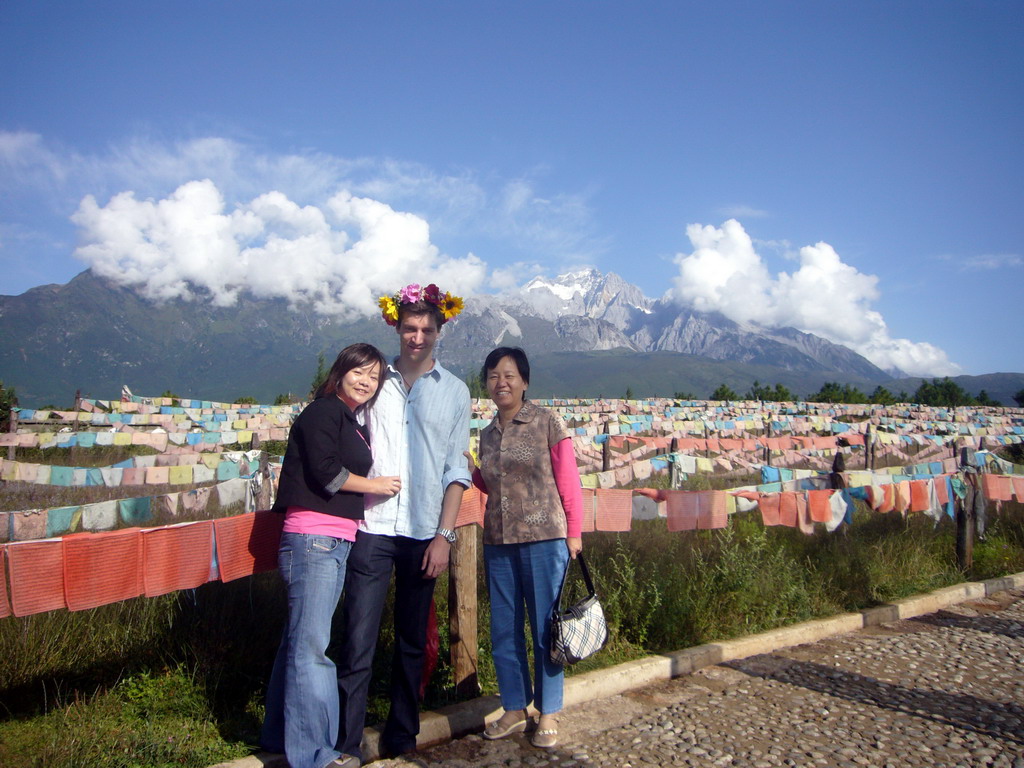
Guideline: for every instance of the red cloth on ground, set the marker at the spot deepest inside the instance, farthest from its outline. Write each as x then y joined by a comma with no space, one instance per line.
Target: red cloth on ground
37,576
102,568
248,544
614,510
176,557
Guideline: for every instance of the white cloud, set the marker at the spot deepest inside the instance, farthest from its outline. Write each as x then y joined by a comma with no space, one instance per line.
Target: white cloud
743,212
502,219
824,296
338,257
990,261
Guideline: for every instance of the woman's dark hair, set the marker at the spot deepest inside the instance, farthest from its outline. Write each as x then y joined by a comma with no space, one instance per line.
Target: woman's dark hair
495,356
352,356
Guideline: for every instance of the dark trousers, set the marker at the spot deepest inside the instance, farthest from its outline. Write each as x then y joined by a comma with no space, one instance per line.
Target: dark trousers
370,564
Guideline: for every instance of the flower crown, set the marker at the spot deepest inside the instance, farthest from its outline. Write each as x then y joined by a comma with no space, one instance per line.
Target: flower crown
449,305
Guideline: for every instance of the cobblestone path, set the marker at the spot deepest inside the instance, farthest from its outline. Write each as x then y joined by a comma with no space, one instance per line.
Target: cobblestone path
946,689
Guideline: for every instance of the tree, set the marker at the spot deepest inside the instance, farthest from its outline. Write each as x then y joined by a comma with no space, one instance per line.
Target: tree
832,392
946,393
629,393
776,394
724,392
984,399
320,377
691,396
882,396
8,400
476,386
246,400
168,393
1019,398
283,399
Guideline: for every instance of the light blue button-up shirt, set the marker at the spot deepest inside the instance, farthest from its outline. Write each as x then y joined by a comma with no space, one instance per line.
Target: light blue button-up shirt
419,435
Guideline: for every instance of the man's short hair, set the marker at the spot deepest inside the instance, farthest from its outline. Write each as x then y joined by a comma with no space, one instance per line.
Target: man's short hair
418,308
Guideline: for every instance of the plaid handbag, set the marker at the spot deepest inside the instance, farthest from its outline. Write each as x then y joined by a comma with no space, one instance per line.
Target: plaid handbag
580,631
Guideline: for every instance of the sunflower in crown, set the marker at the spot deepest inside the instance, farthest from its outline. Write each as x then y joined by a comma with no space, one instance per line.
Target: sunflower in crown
449,305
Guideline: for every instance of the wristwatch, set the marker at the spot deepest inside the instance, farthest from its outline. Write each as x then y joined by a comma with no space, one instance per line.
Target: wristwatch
448,534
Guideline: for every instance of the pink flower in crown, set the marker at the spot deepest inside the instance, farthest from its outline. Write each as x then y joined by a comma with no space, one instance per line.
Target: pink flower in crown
433,294
410,294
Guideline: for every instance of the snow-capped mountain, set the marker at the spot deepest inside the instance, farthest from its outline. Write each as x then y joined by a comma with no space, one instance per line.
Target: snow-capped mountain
586,310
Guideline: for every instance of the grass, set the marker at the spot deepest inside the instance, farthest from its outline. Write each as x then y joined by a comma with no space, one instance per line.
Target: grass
179,680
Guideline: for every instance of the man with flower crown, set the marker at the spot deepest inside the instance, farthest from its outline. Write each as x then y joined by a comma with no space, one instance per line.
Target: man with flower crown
419,429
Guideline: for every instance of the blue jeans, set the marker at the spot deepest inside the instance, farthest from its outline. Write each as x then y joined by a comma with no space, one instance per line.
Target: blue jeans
525,576
302,698
373,559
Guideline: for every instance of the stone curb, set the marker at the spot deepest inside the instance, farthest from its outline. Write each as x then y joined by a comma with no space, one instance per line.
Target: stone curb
469,716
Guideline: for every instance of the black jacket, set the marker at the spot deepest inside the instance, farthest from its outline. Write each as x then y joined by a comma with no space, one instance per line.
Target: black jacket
325,445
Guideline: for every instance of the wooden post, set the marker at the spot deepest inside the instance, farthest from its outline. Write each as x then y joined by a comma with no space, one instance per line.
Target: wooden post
606,452
462,612
264,500
965,517
73,453
673,467
13,429
869,446
767,435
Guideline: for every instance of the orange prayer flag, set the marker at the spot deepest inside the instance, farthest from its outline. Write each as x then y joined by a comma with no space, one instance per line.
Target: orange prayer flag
176,557
248,543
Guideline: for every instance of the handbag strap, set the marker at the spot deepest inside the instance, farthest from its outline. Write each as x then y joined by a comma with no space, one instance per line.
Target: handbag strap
591,592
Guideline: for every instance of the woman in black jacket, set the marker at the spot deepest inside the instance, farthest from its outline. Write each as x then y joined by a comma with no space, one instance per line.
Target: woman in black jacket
323,479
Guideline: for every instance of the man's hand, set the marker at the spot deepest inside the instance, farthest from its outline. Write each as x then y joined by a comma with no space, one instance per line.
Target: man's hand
435,559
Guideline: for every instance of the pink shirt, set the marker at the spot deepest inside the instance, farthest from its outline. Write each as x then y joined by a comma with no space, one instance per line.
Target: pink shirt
299,520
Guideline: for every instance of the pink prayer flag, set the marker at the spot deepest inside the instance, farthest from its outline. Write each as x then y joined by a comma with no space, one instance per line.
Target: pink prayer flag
471,511
5,605
769,504
37,576
787,509
589,510
176,557
919,495
102,568
681,510
614,510
818,505
713,511
1018,487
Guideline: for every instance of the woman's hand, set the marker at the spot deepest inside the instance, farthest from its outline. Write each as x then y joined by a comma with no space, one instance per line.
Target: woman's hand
471,461
574,545
385,486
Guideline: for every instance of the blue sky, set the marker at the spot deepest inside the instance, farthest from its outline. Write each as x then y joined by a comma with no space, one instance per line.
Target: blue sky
851,169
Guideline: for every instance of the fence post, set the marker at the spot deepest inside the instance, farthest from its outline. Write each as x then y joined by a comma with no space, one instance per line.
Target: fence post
13,429
606,452
673,467
462,612
73,453
965,516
